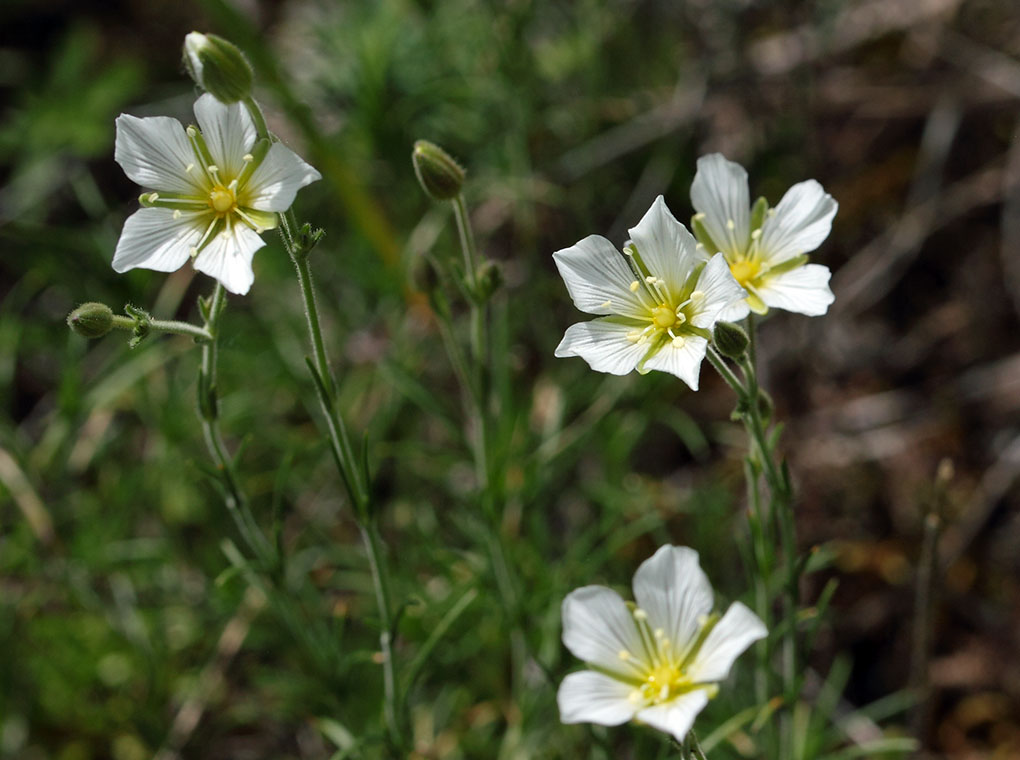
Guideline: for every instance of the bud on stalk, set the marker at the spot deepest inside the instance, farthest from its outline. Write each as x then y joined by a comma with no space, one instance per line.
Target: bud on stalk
218,67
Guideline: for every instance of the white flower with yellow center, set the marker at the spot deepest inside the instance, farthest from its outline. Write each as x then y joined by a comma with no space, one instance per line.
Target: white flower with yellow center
659,300
766,248
658,661
215,188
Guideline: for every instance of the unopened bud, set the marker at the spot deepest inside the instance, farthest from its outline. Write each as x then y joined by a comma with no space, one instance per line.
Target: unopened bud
440,176
218,67
730,339
490,278
91,320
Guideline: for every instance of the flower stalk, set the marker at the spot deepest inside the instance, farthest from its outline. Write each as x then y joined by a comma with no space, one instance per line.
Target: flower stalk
299,240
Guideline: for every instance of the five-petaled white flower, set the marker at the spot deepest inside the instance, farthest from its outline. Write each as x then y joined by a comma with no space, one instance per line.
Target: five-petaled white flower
656,662
659,300
215,188
765,248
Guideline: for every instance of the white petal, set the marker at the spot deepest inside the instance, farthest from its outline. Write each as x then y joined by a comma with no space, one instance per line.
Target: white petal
719,191
604,345
666,247
153,239
676,716
672,588
154,152
596,273
597,627
228,258
228,131
590,697
799,223
734,312
804,290
683,362
273,185
735,632
721,291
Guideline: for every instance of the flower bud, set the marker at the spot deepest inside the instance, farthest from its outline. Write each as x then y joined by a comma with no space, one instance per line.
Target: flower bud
490,278
440,176
730,339
218,67
91,320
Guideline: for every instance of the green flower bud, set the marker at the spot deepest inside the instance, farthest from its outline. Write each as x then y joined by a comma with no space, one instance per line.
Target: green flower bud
440,176
730,339
218,67
91,320
490,278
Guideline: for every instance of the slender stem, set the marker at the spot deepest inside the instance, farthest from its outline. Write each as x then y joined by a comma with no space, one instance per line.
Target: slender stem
380,579
172,326
343,453
235,499
261,128
479,413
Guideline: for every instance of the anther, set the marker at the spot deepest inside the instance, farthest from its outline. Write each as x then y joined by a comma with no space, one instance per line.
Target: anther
177,214
193,252
640,614
730,224
697,295
678,341
624,655
634,336
247,157
700,215
189,168
213,168
191,131
634,286
650,279
756,234
607,304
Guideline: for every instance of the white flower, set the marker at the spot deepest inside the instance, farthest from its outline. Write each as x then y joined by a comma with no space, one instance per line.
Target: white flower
656,662
765,248
660,299
216,187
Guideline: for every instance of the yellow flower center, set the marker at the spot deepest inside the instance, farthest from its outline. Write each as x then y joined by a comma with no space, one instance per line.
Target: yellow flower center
745,270
664,316
222,200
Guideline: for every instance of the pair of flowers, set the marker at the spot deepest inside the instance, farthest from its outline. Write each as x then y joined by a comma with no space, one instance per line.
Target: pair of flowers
660,300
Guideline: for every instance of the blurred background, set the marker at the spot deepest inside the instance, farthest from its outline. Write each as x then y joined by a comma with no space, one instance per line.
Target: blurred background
127,630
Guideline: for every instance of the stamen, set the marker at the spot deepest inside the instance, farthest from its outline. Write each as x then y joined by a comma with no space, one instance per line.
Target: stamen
634,336
756,234
678,341
247,157
697,295
650,279
191,131
177,214
189,168
634,286
640,614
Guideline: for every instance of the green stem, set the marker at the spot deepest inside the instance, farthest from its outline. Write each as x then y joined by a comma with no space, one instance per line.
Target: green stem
380,580
172,326
261,128
235,499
